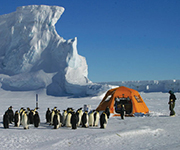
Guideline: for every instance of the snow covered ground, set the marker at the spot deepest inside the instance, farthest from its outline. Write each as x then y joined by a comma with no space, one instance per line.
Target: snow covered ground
155,132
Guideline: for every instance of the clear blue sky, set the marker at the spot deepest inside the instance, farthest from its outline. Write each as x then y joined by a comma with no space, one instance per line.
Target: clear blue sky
122,40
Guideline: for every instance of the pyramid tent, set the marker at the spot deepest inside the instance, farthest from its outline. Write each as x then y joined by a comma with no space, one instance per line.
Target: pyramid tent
130,98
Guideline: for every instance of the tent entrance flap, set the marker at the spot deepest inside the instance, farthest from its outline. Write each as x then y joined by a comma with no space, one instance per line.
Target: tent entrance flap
123,101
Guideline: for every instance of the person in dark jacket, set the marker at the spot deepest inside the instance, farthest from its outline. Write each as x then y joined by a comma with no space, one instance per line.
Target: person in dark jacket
172,99
122,111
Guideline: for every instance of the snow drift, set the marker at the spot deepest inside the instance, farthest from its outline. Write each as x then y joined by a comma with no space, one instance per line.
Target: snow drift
33,55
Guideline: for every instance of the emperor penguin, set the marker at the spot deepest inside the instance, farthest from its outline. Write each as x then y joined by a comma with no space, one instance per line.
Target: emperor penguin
48,116
107,111
68,119
20,112
25,120
64,117
36,119
56,120
74,120
6,120
52,115
31,116
96,118
69,109
11,114
91,118
79,113
17,119
60,118
28,110
85,119
103,120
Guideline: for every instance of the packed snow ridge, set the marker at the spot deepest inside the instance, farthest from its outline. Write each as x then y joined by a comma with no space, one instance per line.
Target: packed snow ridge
33,56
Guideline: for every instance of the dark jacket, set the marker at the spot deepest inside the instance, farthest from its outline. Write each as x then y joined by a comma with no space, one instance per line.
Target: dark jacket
173,97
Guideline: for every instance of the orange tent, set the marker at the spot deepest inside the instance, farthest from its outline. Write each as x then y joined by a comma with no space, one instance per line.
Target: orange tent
130,98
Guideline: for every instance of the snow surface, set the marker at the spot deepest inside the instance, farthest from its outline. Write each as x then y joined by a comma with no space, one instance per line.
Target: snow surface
155,132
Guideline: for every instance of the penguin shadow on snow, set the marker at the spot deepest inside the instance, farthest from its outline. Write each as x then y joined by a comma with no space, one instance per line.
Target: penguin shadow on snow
44,125
11,127
163,116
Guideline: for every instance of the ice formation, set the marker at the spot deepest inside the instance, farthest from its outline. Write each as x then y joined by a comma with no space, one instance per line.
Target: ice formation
33,55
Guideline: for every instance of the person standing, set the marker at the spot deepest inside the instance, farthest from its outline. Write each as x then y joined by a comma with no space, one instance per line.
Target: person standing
122,111
172,99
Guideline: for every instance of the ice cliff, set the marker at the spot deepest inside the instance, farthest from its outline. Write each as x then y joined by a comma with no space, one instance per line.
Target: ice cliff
34,56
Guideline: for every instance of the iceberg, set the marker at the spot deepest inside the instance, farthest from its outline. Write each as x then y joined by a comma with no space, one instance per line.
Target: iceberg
34,56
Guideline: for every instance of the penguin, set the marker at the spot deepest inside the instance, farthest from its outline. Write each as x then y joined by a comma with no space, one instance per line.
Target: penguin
28,111
36,119
25,120
107,111
74,120
96,118
17,119
48,115
21,112
31,116
6,120
91,118
60,117
69,109
52,115
103,120
56,120
85,119
11,114
68,119
64,117
79,113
